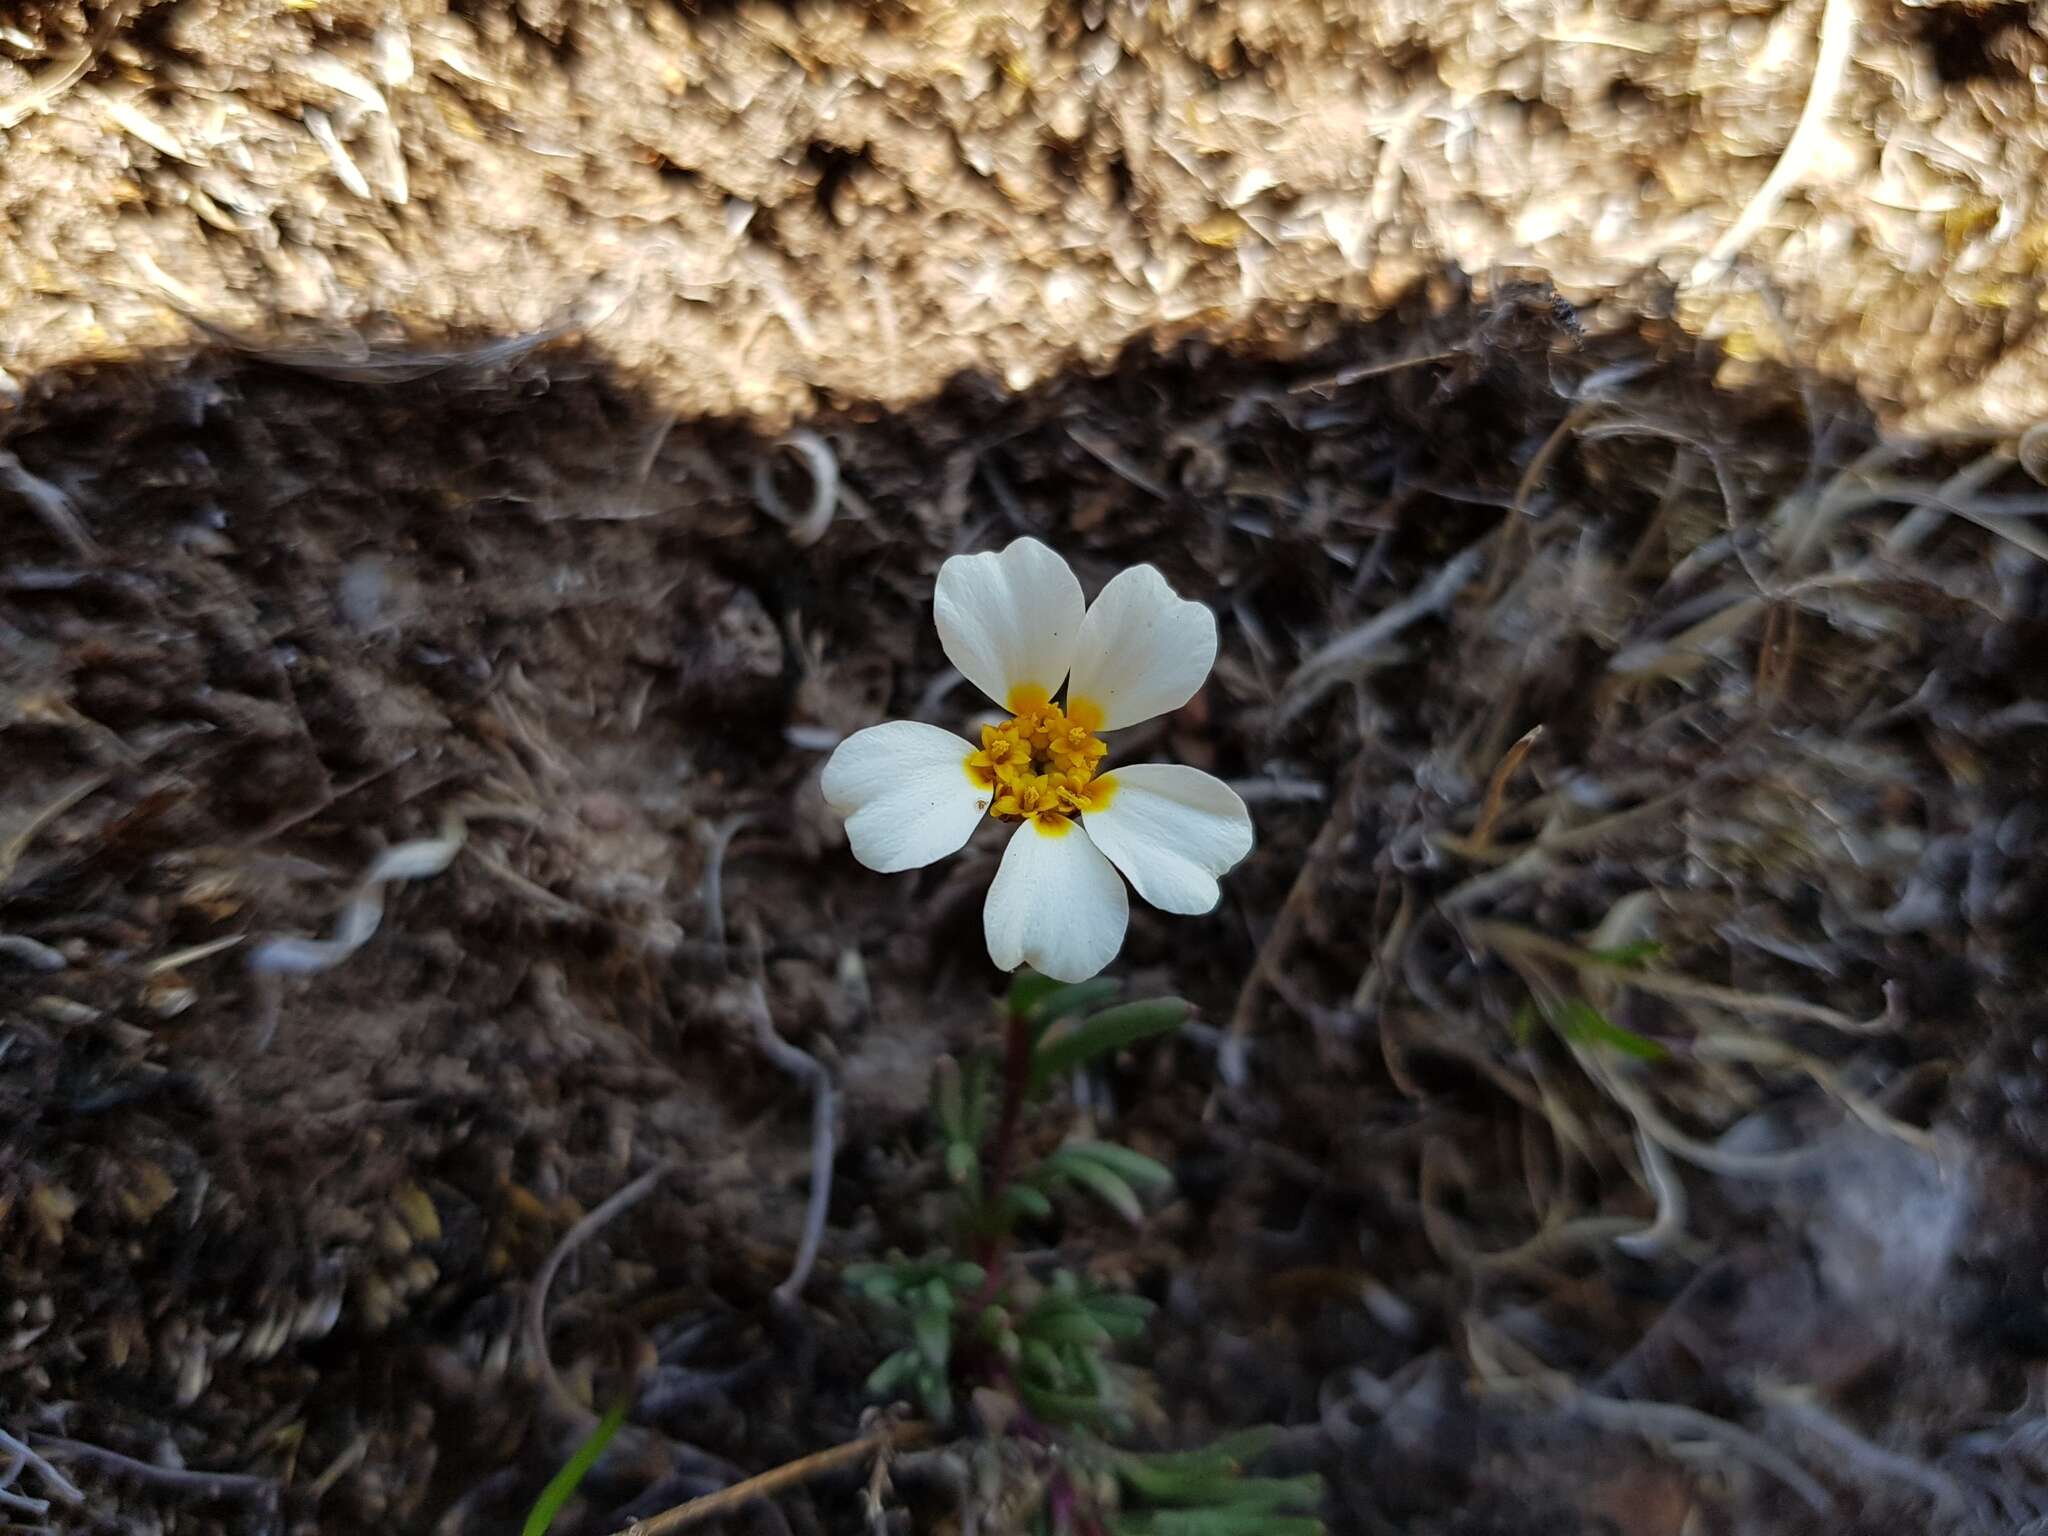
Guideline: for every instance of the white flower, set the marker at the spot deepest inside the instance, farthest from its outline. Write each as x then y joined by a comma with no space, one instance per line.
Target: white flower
1014,624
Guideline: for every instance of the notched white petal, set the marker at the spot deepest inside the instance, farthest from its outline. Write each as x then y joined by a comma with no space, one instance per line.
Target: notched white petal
1056,905
1172,831
905,792
1009,619
1143,651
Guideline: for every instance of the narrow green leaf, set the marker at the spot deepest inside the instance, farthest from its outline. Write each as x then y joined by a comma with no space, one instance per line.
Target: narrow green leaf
1583,1024
1275,1494
1089,1367
1119,1303
1042,1360
974,1100
936,1394
1214,1522
1204,1490
1065,1002
891,1373
1110,1030
1132,1167
1024,1201
934,1334
1630,957
1060,1408
1107,1187
960,1163
947,1103
1028,991
1121,1322
563,1485
1238,1449
1065,1325
965,1275
877,1282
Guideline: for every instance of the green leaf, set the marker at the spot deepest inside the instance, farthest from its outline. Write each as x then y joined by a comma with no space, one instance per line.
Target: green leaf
877,1282
1065,1325
1064,1407
1024,1201
934,1334
1238,1449
1583,1024
974,1100
1028,991
563,1485
965,1275
936,1394
1094,1375
1042,1360
1630,957
1107,1187
1205,1490
1133,1168
948,1104
1119,1303
1120,1320
1214,1522
892,1373
1110,1030
1065,1002
961,1163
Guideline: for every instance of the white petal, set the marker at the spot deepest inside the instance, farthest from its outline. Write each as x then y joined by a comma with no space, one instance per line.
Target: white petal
905,792
1143,651
1056,905
1172,831
1009,620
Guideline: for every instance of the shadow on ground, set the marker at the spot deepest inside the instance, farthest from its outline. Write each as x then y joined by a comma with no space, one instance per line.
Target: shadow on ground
1661,1083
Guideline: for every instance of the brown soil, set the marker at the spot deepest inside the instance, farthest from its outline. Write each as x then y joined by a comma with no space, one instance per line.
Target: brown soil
467,507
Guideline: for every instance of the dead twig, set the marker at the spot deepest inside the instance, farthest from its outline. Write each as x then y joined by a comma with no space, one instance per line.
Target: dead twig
1667,1424
50,504
60,1486
714,875
1504,936
1798,1406
789,1475
43,94
1281,935
1354,650
1497,787
1353,373
279,956
1830,68
203,1485
12,850
824,1115
535,1322
823,465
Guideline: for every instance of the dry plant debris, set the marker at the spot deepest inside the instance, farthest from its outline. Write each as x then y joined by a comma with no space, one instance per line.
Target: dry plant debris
1622,1036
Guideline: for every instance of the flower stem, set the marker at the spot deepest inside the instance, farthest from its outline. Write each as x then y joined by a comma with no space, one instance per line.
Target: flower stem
995,1234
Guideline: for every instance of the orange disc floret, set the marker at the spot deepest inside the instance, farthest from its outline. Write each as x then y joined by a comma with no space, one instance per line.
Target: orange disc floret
1038,762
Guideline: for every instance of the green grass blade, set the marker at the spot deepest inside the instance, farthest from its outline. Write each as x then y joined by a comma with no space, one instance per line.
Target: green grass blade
563,1485
1583,1024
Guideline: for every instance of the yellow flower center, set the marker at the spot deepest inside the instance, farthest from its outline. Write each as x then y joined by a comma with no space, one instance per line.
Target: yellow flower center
1041,765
